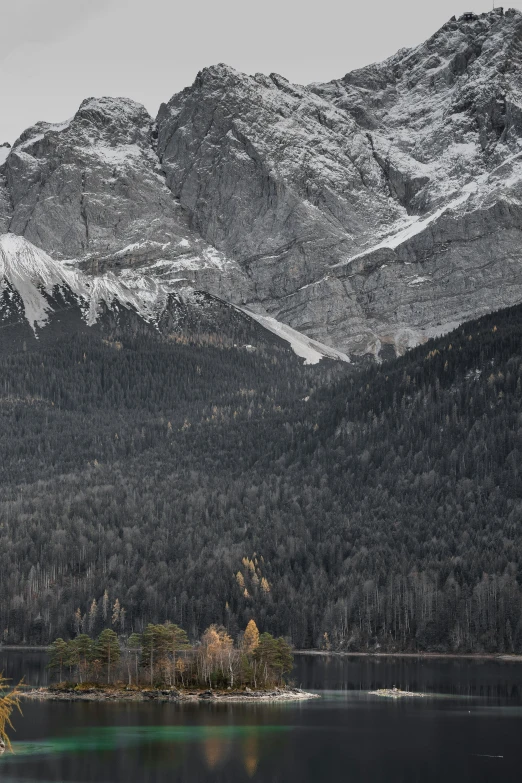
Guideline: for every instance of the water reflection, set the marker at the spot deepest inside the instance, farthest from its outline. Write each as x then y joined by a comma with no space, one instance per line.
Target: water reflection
215,751
481,677
467,730
251,755
31,665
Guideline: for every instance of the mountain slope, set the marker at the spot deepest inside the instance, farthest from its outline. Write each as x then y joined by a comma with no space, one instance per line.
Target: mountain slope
43,298
272,174
381,509
369,213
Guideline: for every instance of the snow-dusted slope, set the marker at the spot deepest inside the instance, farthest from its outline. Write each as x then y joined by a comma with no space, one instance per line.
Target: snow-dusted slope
34,276
36,286
373,210
37,278
444,112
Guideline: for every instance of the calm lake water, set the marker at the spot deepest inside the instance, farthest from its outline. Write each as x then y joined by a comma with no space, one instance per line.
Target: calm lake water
468,729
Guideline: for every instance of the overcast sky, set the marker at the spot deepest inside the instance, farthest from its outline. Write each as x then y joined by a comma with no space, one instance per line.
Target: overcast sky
54,53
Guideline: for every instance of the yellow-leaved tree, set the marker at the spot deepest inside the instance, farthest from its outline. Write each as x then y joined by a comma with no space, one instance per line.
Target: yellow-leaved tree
216,654
250,637
9,702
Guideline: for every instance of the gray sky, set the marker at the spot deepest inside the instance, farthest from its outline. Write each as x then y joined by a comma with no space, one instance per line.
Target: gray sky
54,53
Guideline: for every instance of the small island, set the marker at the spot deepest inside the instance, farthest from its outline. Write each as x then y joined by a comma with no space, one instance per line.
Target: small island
395,693
160,664
99,692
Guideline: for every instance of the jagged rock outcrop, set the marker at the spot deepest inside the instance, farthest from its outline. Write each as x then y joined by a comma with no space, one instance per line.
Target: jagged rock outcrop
89,185
272,174
441,113
92,189
369,212
444,121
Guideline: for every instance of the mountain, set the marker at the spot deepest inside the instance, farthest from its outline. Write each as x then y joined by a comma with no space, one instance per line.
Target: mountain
92,188
172,431
44,299
369,213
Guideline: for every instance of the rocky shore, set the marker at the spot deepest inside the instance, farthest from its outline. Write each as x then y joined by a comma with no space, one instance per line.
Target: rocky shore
166,695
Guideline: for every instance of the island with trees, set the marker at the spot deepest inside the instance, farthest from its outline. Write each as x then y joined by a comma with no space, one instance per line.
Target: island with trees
161,663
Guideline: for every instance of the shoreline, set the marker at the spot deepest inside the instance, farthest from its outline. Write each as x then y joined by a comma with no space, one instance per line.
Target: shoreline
513,658
168,695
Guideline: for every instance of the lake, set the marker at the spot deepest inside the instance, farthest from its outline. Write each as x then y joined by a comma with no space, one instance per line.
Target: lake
469,728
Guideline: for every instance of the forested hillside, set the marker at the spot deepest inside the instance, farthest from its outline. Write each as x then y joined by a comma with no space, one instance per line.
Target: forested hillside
202,479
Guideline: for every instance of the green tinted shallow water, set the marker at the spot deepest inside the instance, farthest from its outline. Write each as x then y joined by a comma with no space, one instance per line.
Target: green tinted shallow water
468,728
118,737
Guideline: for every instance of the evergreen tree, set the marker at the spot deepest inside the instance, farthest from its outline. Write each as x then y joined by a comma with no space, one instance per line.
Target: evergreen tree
59,655
107,651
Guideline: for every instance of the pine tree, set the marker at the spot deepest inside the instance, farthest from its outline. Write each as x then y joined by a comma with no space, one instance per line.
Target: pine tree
134,645
108,650
155,646
59,654
274,657
84,648
105,605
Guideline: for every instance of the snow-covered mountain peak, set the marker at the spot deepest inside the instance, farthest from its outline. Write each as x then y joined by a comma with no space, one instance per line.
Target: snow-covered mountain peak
112,107
114,115
111,121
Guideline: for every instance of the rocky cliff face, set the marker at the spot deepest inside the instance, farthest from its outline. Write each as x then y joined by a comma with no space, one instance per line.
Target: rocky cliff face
273,174
5,201
92,189
369,213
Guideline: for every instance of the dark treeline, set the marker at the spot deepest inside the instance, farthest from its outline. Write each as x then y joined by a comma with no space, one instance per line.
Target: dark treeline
210,483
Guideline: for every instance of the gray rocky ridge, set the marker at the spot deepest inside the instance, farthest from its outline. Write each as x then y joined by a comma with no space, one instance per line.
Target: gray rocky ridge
369,213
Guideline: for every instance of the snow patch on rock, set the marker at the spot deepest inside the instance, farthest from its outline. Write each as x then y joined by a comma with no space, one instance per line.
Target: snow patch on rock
310,350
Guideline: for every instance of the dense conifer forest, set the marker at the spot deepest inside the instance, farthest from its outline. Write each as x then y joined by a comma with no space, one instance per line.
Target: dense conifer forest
214,479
